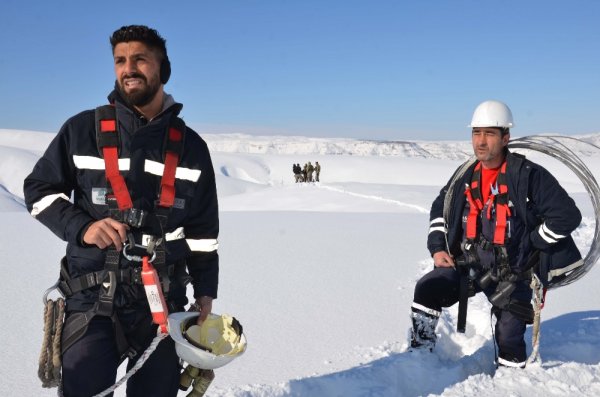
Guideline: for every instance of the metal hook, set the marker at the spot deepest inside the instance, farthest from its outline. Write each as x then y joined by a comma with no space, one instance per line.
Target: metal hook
137,258
49,290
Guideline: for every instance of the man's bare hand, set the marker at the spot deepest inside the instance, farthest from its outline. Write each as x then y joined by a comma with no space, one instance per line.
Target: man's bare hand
106,232
442,259
204,303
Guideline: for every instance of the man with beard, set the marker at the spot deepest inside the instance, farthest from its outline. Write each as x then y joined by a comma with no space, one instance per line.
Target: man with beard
142,184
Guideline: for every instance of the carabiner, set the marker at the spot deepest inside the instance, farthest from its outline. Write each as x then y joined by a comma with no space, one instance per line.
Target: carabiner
49,290
137,258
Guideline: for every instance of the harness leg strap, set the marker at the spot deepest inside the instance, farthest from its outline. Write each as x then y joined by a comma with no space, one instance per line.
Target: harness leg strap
463,302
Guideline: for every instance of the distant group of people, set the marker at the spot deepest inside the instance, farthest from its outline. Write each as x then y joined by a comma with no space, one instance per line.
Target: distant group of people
305,174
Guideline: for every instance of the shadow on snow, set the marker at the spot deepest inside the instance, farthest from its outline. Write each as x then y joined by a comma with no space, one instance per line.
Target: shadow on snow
572,337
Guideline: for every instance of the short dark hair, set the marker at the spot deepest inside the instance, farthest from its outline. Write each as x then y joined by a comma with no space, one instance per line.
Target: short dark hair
141,33
503,130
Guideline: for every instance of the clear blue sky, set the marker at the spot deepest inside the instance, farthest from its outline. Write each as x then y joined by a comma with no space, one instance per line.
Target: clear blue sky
344,68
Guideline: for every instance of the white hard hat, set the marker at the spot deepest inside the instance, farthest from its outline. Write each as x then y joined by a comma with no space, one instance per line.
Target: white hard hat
214,344
492,114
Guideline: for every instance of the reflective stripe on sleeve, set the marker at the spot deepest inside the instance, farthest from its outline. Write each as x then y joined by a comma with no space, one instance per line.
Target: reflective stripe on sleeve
156,168
548,235
437,225
203,245
437,220
45,202
438,229
564,270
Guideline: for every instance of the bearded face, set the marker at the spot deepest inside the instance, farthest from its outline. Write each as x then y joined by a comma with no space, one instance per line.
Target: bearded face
137,89
137,68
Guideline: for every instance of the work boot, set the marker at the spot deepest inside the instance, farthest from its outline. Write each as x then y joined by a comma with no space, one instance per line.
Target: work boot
423,332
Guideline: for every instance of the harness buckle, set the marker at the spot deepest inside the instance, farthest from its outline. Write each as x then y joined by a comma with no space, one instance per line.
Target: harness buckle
134,217
105,299
136,275
151,242
494,189
484,244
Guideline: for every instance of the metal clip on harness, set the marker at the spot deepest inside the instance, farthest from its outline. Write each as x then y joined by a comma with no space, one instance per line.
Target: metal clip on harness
150,249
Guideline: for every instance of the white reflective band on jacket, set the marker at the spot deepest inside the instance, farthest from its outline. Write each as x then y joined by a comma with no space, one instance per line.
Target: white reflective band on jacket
437,225
203,245
150,166
198,245
548,235
96,163
45,202
559,272
176,234
156,168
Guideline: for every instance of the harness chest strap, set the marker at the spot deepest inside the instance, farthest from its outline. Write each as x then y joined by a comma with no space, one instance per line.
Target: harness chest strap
473,194
167,183
502,208
108,142
500,197
119,202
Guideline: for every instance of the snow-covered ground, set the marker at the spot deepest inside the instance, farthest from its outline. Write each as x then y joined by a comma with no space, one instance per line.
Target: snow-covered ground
321,275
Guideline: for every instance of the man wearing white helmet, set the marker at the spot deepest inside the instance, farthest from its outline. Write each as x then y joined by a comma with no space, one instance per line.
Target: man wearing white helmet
504,218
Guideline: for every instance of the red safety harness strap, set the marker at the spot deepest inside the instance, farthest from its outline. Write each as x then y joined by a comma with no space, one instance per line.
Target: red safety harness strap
167,183
473,194
110,151
108,143
502,209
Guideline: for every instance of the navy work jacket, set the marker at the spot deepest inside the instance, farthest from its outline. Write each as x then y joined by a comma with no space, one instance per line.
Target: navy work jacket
543,218
66,192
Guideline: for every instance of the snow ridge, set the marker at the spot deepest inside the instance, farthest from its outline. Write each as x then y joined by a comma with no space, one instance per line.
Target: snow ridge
294,145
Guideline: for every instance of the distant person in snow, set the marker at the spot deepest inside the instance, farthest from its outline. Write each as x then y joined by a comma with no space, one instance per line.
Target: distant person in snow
305,172
144,204
507,216
317,171
309,172
297,173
